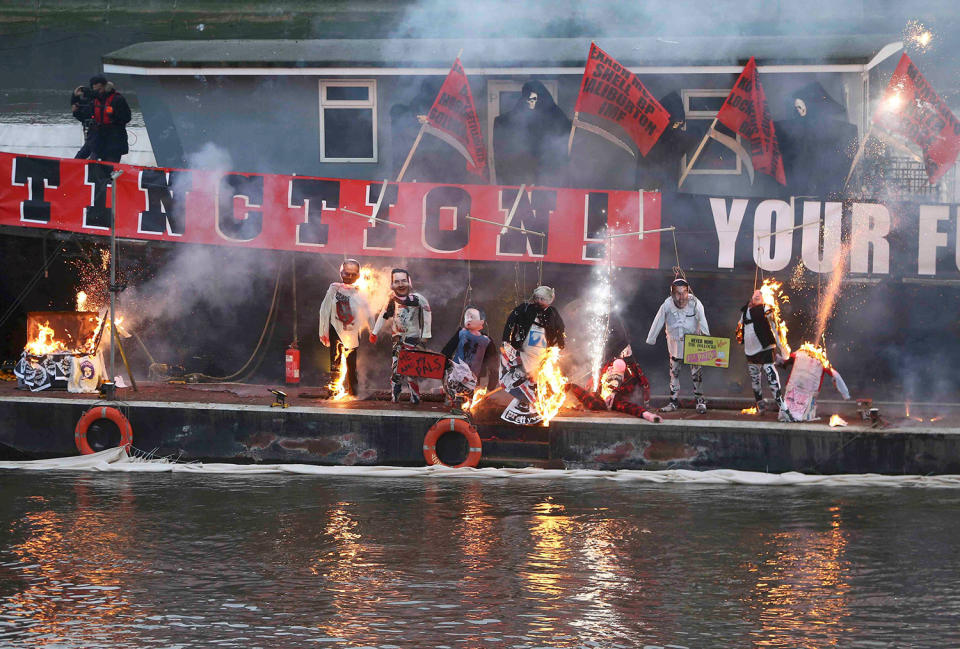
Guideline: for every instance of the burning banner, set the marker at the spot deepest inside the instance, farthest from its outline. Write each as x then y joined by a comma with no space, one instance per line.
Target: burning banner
453,118
911,109
612,93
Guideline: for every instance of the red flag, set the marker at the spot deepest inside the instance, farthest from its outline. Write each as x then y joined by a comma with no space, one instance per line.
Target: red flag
453,119
910,108
746,112
614,94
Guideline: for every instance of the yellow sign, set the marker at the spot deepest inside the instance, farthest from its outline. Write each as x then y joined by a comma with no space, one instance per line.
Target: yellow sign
706,350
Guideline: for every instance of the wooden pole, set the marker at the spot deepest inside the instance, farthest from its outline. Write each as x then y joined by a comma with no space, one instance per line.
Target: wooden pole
123,357
573,127
406,162
696,154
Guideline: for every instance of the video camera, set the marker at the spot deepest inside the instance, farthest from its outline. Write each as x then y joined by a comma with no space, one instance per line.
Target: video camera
82,97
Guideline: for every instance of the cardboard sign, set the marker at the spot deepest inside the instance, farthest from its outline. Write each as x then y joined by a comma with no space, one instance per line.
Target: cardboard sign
706,350
424,365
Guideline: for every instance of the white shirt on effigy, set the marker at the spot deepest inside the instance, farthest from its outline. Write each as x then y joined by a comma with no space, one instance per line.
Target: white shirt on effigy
677,323
534,347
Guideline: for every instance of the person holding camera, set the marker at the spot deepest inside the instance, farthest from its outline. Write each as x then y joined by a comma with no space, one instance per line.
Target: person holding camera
81,105
111,114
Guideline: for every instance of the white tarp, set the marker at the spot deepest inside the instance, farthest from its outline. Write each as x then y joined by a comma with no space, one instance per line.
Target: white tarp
117,460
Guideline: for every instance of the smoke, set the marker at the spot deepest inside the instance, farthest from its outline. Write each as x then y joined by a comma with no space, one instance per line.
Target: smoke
204,297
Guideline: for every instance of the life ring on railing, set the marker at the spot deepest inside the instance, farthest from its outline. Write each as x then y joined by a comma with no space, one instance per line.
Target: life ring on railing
452,425
102,412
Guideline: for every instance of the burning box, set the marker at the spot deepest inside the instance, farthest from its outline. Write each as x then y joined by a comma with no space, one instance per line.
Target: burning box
61,352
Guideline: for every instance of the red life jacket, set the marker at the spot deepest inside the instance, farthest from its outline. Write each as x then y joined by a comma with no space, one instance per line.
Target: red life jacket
103,109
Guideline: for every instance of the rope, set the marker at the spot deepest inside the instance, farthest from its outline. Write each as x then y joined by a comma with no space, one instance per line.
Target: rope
540,272
516,280
263,334
677,270
33,280
468,294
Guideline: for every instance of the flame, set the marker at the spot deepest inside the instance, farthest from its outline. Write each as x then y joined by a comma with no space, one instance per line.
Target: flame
920,419
45,342
606,391
772,292
81,301
374,285
478,396
836,420
338,388
550,386
752,410
817,352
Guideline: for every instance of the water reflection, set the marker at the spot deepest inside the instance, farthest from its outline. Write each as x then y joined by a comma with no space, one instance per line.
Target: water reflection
801,587
71,568
290,562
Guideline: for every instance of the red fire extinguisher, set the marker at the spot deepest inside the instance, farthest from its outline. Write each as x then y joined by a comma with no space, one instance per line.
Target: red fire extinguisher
292,358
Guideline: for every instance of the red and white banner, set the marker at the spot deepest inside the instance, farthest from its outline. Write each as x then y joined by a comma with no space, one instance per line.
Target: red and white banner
911,109
334,216
615,95
453,118
746,112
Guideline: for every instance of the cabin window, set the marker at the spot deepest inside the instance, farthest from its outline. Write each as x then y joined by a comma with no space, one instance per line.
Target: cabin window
700,107
348,121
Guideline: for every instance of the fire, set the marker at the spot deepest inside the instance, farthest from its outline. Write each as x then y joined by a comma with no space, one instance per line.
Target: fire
338,388
772,292
81,301
920,419
45,342
837,420
817,352
478,396
374,285
550,386
752,410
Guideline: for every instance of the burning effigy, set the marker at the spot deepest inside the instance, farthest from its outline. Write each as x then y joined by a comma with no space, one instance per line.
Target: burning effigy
763,335
810,366
62,352
529,360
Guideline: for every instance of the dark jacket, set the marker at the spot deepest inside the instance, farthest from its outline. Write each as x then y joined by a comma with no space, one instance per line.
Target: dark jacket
111,114
521,319
490,365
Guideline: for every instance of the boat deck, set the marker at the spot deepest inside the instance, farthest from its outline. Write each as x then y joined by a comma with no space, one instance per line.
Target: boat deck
235,422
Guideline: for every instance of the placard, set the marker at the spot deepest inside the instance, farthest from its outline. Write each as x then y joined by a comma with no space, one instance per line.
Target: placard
421,364
706,350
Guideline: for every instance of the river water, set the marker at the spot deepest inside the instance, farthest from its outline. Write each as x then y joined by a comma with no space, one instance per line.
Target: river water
176,560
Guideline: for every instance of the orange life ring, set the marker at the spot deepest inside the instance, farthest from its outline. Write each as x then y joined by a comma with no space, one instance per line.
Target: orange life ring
102,412
452,425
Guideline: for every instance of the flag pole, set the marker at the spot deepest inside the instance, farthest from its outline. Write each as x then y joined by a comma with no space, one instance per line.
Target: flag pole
416,143
573,127
857,156
696,154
